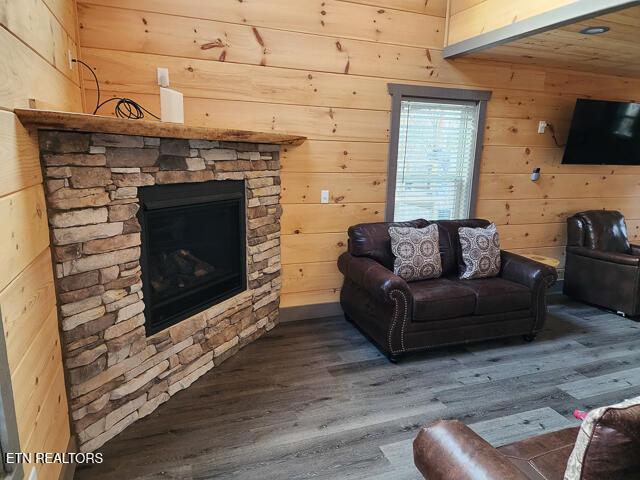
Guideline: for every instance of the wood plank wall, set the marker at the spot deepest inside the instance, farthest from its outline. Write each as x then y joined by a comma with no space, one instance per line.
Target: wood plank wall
299,67
35,37
468,18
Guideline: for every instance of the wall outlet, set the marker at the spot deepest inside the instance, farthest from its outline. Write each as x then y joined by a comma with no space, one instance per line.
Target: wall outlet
70,59
163,77
324,196
542,126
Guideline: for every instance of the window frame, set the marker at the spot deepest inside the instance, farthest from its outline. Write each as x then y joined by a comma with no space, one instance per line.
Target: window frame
9,441
400,92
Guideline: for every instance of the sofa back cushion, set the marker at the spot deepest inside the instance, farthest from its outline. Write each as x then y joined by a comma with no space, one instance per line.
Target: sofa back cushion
450,250
600,230
608,444
372,240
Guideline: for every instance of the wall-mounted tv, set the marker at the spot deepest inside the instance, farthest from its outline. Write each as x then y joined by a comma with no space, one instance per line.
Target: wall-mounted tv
604,133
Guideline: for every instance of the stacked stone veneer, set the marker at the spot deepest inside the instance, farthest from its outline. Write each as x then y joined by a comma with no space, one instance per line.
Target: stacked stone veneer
115,373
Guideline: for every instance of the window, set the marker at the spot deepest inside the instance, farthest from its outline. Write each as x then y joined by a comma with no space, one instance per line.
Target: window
436,140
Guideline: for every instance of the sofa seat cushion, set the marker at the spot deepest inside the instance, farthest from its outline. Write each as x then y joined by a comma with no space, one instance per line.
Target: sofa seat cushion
496,295
439,299
544,456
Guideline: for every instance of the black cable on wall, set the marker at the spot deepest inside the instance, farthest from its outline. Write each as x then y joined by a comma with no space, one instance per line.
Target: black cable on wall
124,108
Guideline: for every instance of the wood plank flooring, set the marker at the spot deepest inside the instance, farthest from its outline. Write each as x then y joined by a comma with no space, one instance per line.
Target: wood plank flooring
314,399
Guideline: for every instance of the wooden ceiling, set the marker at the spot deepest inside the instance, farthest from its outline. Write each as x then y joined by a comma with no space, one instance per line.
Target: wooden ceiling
616,52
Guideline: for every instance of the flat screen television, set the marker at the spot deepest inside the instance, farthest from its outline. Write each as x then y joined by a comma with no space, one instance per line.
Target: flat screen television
604,133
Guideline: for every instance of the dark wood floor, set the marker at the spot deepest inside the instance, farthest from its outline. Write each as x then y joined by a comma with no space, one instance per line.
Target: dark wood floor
314,399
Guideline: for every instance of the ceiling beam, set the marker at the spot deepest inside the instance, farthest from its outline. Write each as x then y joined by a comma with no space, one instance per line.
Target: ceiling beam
558,17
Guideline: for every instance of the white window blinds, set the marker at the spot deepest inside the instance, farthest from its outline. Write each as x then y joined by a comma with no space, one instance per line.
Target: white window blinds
436,151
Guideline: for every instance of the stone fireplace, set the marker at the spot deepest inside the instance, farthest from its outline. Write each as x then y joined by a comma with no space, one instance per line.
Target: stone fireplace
167,258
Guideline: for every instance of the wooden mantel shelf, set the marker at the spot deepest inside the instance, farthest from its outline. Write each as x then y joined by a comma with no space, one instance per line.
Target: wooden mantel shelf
83,122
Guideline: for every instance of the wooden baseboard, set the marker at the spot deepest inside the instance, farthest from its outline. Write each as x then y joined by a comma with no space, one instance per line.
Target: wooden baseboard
306,312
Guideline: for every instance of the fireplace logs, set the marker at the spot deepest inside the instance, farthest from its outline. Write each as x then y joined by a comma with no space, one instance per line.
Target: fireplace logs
178,269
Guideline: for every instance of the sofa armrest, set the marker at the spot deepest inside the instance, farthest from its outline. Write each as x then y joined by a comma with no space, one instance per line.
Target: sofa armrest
525,271
449,449
373,277
613,257
635,250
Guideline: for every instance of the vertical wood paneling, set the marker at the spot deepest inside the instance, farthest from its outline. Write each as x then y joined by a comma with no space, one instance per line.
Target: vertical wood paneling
287,72
329,17
430,7
34,24
28,233
25,303
32,377
192,38
328,156
35,37
65,13
19,156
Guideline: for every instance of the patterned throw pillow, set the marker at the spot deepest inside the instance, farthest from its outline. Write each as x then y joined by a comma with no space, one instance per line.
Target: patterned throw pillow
587,435
417,252
480,252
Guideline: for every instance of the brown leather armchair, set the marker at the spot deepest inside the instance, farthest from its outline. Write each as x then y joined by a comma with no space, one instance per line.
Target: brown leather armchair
401,317
448,449
602,267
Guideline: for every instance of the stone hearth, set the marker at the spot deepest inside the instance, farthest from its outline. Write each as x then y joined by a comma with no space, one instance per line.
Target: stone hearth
116,373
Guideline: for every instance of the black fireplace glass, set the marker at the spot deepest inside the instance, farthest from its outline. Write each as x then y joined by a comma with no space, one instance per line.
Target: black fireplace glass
193,248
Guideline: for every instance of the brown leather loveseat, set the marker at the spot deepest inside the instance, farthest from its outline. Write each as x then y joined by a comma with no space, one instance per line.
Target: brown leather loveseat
602,267
403,317
449,450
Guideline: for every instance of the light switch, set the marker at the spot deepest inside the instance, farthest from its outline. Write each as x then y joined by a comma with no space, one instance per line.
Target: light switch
163,77
324,196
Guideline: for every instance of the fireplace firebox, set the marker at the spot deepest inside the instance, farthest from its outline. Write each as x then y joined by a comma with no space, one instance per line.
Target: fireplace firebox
193,248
